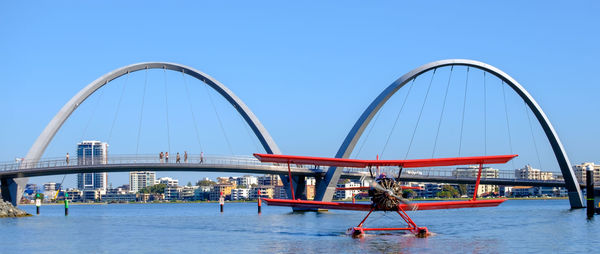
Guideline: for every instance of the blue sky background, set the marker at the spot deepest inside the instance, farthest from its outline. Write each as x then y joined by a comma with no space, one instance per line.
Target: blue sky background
306,69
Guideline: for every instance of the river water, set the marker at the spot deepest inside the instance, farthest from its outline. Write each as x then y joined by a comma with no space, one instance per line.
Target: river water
517,226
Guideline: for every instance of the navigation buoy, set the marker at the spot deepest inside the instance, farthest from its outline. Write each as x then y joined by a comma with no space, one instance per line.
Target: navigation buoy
259,202
66,204
590,191
221,201
38,203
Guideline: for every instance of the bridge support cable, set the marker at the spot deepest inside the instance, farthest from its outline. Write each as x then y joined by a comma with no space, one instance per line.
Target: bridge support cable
218,119
437,133
112,126
96,105
537,153
398,116
484,116
507,123
367,137
420,114
137,146
247,128
167,110
462,121
187,93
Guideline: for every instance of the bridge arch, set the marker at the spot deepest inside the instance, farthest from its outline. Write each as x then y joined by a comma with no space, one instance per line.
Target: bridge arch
328,187
37,149
12,188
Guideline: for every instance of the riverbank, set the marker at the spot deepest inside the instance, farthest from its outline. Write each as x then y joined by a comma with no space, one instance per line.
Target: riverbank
254,201
7,210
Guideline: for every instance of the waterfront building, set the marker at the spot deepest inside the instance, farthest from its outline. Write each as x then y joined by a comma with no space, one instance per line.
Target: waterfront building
51,186
90,195
530,173
310,191
217,189
168,181
146,197
240,194
74,195
202,192
265,192
92,153
472,172
247,181
141,179
581,171
272,180
346,194
118,195
280,192
431,190
187,193
172,192
524,191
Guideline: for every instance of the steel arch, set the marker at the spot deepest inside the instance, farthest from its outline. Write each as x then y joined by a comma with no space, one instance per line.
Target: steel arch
327,188
37,149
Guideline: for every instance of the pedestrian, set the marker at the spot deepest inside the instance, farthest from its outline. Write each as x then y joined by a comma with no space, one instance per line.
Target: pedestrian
177,158
185,156
161,156
201,157
167,157
67,158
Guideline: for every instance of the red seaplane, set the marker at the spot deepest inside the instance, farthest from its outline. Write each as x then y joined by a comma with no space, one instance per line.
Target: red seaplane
385,192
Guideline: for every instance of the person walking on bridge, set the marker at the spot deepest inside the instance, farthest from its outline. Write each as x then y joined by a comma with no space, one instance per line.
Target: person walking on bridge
185,156
167,157
177,158
67,159
201,157
160,157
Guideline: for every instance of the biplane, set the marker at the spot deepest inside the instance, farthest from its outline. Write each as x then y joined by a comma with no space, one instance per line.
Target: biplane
386,192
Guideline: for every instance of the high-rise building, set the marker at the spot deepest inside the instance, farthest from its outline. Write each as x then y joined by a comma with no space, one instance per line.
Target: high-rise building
140,179
92,153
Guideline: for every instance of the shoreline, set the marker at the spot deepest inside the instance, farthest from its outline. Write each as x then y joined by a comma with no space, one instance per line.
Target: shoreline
254,201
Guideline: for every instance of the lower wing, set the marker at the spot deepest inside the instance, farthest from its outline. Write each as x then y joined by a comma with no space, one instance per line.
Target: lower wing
307,204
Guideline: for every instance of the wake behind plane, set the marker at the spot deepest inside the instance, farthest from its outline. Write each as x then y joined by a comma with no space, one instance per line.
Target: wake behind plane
385,191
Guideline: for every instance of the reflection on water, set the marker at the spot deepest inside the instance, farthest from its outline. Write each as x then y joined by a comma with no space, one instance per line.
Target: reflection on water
528,226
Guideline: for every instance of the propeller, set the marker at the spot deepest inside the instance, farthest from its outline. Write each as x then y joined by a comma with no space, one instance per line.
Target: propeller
390,192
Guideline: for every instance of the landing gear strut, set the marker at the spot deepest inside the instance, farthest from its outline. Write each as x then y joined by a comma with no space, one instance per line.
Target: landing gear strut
420,232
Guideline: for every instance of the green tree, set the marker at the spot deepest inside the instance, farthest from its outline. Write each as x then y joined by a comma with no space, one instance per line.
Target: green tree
462,189
409,193
154,189
448,192
189,184
205,183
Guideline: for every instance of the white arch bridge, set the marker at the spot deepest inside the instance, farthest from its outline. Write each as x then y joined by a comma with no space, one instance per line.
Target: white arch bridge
13,177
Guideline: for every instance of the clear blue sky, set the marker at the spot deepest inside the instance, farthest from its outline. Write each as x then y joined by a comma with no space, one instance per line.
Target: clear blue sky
306,69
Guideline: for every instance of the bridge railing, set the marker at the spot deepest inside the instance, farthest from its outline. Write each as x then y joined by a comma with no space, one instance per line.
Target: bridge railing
245,161
136,159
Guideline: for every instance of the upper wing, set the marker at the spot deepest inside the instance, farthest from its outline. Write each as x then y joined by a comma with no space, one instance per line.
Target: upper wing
354,163
366,207
317,204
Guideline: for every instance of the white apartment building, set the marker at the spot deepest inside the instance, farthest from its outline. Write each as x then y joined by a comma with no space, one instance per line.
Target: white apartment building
170,182
528,172
346,194
240,194
141,179
246,180
581,174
